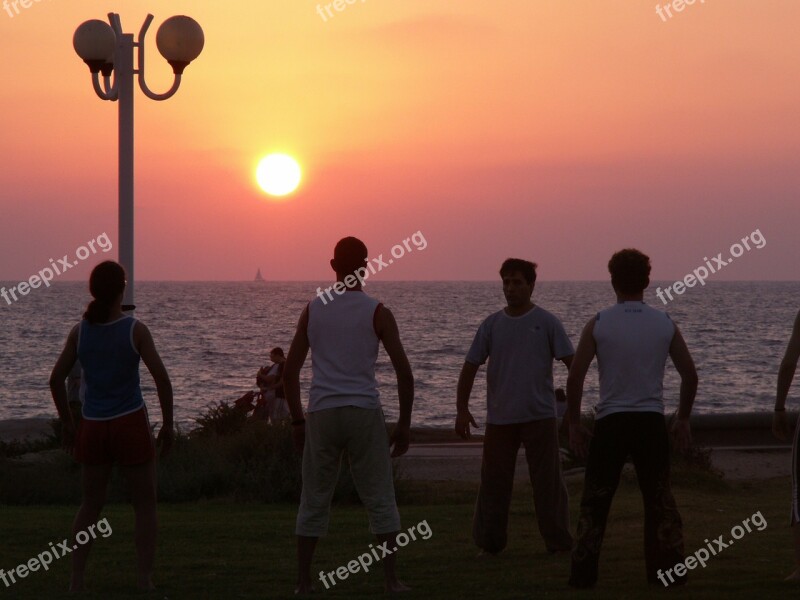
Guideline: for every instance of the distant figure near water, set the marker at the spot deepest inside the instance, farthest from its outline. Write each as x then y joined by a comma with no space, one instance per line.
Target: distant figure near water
115,427
344,412
780,427
521,341
272,406
631,341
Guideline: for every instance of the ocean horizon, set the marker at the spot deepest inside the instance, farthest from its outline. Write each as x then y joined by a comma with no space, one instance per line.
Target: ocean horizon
214,335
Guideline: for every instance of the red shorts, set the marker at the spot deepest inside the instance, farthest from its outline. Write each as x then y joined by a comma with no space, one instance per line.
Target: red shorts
126,440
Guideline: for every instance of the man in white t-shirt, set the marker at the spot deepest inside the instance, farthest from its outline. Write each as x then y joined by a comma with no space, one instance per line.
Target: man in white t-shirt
521,341
632,342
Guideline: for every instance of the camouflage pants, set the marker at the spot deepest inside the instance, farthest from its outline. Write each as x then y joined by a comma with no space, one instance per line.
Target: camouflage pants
643,437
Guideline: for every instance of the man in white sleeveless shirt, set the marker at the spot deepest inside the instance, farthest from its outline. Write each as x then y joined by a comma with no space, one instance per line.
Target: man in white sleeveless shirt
344,413
521,341
780,427
632,342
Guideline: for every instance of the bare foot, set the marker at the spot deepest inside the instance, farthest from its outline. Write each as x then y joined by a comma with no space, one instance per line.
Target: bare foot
486,554
145,583
396,587
76,585
304,588
794,576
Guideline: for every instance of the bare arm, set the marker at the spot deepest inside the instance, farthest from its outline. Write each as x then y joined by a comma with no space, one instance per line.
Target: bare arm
561,396
685,366
59,374
464,418
146,347
294,362
465,382
788,366
578,367
389,334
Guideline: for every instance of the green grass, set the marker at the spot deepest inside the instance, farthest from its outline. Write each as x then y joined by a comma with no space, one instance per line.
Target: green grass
224,549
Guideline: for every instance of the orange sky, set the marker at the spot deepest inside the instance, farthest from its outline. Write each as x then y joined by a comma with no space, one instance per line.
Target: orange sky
550,130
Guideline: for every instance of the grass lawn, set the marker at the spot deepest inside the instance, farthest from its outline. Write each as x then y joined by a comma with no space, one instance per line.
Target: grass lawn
224,549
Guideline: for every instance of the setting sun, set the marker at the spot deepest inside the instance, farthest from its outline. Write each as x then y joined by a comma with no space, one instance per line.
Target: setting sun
278,174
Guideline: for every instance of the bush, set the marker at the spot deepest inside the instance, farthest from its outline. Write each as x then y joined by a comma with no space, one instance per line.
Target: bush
220,419
16,448
226,456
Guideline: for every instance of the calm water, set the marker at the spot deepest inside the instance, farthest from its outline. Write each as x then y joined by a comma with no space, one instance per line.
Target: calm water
214,336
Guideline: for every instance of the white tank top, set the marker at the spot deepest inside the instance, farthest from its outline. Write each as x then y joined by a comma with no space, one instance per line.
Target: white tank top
633,343
344,349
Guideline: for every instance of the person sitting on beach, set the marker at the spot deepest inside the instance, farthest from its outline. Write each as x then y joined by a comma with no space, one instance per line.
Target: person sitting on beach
780,427
631,341
344,409
272,406
115,426
521,341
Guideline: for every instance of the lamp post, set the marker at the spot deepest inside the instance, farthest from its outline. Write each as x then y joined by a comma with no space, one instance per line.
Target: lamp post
108,50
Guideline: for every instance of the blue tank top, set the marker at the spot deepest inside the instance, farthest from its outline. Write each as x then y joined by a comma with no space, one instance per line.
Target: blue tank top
110,383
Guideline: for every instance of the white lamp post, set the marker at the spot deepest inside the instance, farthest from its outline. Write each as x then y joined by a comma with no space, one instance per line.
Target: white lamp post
106,49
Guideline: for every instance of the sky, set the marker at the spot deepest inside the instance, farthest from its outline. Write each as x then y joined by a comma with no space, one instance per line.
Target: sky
554,131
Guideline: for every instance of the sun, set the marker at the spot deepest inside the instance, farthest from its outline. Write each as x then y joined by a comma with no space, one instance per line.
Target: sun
278,174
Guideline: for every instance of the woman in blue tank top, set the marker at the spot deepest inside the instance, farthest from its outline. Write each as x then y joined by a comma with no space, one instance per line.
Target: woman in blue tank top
115,428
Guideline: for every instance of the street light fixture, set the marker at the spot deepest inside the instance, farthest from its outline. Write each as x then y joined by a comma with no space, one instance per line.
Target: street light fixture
107,50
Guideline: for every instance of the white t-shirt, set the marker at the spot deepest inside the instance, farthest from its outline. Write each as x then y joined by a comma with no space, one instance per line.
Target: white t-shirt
520,373
633,343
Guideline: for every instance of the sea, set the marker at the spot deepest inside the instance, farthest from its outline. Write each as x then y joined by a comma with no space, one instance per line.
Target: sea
213,337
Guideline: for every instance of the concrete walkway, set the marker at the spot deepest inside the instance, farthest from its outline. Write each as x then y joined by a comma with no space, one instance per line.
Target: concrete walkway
462,462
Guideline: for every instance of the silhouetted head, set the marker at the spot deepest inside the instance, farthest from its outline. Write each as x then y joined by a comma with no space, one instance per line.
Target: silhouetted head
630,272
276,354
106,284
519,278
349,254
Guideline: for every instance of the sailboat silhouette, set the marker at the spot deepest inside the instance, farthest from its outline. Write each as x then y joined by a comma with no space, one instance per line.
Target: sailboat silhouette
258,275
